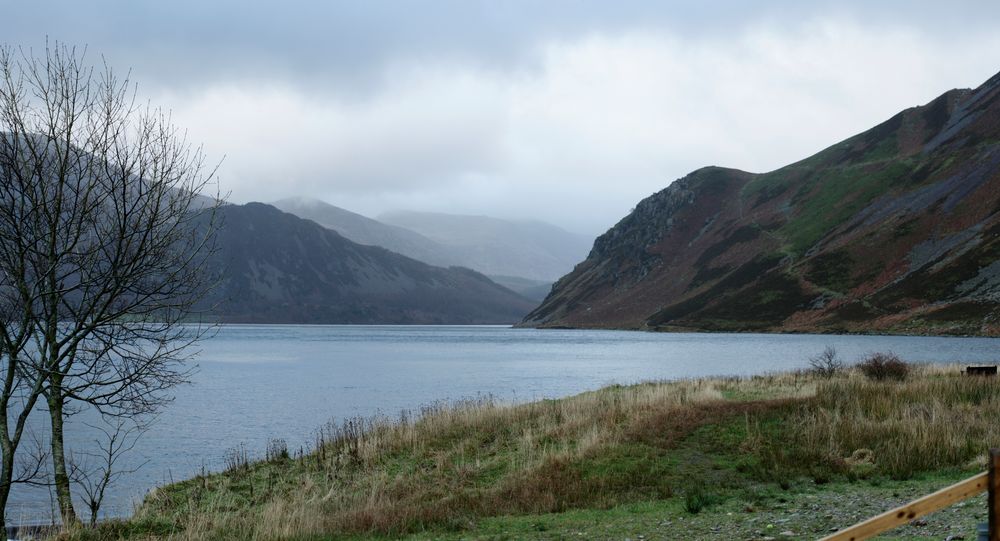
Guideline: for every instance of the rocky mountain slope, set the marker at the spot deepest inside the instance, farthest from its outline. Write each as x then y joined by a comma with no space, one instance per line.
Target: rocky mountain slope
894,230
277,267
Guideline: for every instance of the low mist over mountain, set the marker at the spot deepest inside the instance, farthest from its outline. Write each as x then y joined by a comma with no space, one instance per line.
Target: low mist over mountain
526,249
364,230
279,268
893,230
535,290
523,256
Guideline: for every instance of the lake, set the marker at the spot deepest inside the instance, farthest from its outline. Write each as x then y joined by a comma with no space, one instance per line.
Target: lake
257,382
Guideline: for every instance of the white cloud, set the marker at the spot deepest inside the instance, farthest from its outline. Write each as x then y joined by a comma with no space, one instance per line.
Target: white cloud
597,123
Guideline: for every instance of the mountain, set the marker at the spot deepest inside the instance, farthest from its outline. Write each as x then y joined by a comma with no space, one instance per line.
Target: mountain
535,290
526,249
895,230
278,268
523,256
364,230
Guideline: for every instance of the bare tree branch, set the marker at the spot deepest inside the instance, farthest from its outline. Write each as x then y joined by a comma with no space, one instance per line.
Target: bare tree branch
95,471
105,239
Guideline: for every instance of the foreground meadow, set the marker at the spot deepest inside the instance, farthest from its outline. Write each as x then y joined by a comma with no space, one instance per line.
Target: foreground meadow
785,456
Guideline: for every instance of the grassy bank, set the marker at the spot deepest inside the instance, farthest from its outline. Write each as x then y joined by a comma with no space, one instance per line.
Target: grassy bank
782,456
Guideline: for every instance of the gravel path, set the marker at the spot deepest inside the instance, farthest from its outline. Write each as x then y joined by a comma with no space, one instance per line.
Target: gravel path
808,513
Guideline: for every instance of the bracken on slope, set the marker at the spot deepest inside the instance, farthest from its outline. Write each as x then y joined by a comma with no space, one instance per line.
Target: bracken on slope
894,230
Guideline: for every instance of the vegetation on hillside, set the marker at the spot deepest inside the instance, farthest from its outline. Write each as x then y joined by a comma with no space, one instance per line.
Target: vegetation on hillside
684,447
893,230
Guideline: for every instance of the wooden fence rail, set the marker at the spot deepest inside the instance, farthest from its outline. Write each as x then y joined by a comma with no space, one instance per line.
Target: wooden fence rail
986,481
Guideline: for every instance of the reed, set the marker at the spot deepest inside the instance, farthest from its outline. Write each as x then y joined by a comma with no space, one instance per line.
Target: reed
451,464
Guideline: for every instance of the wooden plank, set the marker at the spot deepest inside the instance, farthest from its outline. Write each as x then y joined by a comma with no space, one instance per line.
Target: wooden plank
917,508
981,370
993,505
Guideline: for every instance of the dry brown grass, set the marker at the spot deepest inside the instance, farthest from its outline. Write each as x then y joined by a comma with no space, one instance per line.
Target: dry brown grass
461,461
453,464
936,419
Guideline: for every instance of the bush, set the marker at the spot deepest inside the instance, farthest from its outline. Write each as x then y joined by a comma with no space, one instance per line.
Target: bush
697,498
827,364
884,366
277,450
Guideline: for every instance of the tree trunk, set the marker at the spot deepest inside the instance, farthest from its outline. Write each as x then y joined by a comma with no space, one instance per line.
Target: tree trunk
60,477
6,479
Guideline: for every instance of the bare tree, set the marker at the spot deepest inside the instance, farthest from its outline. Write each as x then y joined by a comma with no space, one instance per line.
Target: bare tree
827,364
94,471
105,240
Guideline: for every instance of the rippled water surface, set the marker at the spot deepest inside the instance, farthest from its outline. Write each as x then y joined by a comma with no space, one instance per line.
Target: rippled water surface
254,383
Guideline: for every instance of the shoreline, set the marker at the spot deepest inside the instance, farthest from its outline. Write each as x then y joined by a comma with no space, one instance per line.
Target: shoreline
684,449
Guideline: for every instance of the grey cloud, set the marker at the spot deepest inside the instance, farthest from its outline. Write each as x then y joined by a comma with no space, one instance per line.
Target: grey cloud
568,110
348,44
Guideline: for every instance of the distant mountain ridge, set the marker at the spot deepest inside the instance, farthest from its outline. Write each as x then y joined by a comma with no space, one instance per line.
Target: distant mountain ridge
526,256
894,230
279,268
528,249
364,230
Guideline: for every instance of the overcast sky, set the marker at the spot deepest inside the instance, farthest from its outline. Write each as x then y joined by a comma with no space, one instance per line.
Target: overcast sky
566,111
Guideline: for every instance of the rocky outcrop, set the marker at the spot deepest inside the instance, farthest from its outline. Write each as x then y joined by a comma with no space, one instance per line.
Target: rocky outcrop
893,230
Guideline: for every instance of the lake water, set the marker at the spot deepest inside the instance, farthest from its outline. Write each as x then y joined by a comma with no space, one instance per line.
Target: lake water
254,383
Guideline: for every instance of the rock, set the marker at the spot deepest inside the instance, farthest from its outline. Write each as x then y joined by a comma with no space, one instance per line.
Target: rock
662,265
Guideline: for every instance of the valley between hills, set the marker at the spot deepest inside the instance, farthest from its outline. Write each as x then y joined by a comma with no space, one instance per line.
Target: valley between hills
894,230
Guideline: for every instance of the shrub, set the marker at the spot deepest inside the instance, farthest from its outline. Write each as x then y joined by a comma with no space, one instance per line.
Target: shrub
827,364
697,498
884,366
277,450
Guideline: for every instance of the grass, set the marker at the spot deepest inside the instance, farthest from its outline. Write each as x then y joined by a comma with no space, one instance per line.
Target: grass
692,450
834,195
